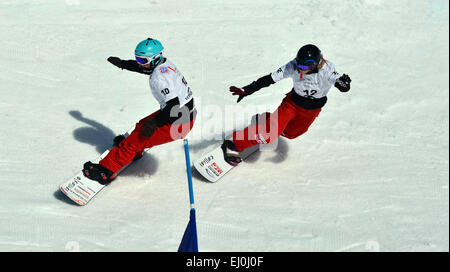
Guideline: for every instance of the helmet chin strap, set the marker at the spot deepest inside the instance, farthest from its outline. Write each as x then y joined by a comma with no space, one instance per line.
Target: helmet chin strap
156,62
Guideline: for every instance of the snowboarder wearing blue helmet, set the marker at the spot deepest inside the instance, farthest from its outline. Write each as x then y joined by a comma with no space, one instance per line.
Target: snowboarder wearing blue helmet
171,90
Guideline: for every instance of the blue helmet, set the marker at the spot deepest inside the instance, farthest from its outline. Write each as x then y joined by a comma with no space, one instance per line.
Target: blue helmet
149,50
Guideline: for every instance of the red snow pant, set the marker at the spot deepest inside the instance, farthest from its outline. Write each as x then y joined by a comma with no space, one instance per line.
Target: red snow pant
135,144
289,121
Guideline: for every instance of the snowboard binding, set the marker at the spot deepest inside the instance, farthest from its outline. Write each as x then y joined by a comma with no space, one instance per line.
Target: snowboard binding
98,173
230,153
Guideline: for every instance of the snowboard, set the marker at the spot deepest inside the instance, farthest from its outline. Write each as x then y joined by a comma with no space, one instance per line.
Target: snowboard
81,189
212,165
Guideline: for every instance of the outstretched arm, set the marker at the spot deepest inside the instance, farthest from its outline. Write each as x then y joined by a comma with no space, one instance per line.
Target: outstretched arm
130,65
262,82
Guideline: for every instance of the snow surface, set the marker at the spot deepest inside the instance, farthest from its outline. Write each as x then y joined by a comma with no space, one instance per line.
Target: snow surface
371,174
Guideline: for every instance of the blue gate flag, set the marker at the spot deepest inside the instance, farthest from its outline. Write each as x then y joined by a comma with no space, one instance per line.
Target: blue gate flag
189,242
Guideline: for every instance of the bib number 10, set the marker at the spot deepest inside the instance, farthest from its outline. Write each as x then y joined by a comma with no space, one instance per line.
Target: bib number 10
165,91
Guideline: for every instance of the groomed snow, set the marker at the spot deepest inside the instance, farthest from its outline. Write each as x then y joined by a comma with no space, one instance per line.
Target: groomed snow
371,174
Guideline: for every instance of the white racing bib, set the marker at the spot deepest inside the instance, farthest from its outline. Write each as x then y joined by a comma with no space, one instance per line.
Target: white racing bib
166,83
313,86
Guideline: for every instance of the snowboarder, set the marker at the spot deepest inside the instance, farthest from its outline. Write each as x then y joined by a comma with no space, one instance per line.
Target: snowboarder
313,77
173,121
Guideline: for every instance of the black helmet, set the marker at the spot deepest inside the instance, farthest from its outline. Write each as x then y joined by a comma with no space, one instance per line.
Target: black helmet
308,57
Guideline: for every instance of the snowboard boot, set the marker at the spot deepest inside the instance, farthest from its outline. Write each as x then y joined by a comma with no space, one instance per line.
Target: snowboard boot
230,153
118,139
98,173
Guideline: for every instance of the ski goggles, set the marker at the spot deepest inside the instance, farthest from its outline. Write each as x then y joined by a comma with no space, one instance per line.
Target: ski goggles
143,60
307,65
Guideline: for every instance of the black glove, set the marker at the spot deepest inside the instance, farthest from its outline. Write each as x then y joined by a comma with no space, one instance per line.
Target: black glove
343,83
115,61
118,139
149,128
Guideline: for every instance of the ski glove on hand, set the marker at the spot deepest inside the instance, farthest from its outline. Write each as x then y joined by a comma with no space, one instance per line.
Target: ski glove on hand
115,61
262,82
149,128
343,83
239,91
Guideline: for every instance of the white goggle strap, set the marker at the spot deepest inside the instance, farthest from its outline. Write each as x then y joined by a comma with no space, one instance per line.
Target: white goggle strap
150,59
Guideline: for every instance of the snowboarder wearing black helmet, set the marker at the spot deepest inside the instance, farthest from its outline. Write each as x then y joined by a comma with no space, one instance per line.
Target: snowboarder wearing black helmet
313,77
